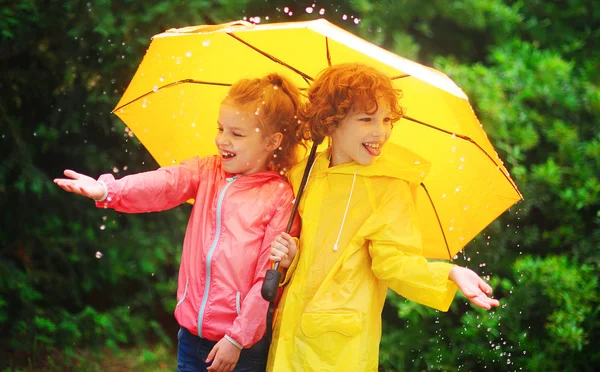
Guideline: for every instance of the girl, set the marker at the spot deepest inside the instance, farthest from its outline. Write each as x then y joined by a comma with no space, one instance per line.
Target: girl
241,204
359,235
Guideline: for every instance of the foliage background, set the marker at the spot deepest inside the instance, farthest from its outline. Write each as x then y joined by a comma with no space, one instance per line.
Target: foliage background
531,69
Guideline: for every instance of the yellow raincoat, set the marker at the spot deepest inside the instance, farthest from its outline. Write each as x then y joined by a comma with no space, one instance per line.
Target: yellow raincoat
359,237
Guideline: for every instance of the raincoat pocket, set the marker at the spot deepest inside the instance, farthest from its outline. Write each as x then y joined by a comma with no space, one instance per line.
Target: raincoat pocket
184,293
238,303
332,340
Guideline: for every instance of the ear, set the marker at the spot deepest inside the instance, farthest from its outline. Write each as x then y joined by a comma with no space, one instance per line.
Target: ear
274,141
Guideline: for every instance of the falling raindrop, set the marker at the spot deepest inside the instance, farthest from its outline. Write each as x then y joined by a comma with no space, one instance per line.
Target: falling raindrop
98,254
322,11
344,17
188,54
309,10
102,227
155,89
356,21
115,170
443,196
206,43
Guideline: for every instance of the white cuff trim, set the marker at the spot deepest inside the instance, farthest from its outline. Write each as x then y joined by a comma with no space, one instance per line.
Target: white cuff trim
105,192
233,342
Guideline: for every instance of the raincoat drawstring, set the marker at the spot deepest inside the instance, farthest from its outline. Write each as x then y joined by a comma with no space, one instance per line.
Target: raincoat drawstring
335,246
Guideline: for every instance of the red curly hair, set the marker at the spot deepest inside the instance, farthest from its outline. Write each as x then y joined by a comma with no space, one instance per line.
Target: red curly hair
340,88
275,101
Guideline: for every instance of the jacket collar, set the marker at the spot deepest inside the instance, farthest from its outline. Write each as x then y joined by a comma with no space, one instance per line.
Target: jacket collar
395,161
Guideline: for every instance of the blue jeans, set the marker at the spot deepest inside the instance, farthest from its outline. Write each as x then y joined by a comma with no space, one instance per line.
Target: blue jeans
192,351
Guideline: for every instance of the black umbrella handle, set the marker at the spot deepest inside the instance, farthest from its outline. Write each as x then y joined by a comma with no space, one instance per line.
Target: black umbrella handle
273,276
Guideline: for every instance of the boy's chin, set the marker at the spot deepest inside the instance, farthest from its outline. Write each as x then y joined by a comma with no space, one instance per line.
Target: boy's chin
365,160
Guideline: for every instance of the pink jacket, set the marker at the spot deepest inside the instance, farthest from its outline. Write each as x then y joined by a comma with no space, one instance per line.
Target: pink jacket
226,247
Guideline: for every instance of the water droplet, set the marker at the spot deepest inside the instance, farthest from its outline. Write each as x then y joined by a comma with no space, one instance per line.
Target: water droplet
206,43
443,196
344,17
451,228
466,207
417,162
322,11
188,54
286,9
356,21
98,254
458,188
102,227
161,79
104,218
115,170
155,89
309,10
193,125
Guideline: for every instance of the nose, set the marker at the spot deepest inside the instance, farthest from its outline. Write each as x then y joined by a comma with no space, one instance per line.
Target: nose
221,139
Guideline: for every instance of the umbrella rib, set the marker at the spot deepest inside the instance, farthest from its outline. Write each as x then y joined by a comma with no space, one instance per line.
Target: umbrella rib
184,81
438,219
400,77
272,58
328,51
463,137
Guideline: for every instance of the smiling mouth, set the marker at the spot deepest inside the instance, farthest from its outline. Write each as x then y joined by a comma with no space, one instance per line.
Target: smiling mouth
373,149
227,155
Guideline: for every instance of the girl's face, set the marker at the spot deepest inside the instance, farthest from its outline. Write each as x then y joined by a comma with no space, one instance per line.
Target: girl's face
243,147
361,136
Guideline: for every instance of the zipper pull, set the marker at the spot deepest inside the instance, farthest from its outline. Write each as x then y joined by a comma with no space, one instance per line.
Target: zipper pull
231,179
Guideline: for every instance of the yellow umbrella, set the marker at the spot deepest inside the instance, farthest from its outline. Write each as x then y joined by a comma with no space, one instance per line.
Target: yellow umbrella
172,102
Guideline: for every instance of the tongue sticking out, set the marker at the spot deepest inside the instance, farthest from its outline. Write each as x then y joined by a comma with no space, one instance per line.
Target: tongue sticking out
372,150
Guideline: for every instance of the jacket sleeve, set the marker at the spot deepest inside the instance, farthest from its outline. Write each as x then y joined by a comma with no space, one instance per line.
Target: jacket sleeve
249,326
395,247
153,191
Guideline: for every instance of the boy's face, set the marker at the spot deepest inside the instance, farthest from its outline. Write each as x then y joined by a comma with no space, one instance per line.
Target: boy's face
241,145
360,136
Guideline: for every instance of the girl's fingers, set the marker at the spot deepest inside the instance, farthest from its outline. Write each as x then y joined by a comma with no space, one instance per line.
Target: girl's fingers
71,174
280,247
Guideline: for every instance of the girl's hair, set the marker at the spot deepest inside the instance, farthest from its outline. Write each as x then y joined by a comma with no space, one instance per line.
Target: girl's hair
340,87
274,100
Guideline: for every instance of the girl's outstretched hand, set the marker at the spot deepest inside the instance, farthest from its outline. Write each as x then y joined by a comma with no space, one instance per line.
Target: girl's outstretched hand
473,287
81,184
283,249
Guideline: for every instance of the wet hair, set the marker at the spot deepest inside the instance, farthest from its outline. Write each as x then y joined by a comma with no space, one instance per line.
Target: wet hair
341,88
274,100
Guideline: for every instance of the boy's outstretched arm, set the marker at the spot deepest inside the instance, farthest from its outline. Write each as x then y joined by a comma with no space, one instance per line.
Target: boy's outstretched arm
473,287
81,184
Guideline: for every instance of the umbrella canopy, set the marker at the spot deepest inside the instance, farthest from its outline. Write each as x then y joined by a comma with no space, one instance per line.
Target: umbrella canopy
172,105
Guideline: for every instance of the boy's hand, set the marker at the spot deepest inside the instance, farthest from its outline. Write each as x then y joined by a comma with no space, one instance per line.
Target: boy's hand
473,287
224,356
283,249
81,184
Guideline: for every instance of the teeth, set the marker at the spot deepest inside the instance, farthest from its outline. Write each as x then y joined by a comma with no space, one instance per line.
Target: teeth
227,154
373,145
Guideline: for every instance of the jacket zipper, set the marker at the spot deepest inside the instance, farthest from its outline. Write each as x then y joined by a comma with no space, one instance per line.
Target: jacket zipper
211,251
